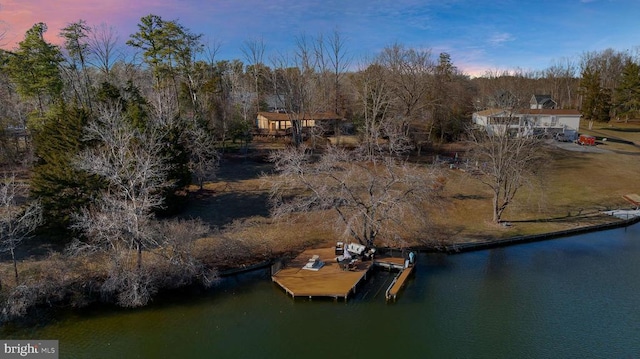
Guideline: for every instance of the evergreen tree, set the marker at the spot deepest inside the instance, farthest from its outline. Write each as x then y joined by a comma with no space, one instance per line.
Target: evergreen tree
169,49
77,45
61,187
627,94
177,156
603,106
34,68
149,40
596,100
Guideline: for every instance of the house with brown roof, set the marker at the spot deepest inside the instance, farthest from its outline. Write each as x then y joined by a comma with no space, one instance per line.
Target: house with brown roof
276,122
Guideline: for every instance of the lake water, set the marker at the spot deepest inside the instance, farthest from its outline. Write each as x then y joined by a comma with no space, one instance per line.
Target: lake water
574,297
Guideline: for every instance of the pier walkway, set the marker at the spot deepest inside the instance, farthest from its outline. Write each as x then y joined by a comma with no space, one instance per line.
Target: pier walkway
398,283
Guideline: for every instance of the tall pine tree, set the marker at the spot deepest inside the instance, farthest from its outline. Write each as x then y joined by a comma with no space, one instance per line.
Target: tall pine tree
596,100
627,94
34,68
62,188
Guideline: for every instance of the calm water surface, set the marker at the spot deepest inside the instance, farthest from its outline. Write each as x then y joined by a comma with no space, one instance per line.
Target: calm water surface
575,297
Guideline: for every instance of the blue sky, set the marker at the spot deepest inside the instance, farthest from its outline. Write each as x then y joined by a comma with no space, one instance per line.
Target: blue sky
479,35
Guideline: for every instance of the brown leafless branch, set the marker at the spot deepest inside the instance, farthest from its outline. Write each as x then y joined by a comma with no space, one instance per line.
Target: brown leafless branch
507,160
17,221
370,199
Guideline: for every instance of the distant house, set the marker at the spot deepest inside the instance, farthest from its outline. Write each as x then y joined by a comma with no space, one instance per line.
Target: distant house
280,121
539,102
530,121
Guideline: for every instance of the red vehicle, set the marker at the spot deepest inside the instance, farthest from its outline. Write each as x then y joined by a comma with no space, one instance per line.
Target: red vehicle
586,140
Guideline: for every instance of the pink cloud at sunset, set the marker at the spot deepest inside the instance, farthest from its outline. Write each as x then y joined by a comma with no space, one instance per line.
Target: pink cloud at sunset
478,35
17,16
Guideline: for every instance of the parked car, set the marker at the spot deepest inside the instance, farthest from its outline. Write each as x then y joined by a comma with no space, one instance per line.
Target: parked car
562,137
587,140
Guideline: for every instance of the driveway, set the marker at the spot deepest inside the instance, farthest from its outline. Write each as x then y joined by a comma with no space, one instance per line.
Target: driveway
570,146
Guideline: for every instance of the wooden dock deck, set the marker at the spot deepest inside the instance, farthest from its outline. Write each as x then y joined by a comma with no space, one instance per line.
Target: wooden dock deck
398,283
329,281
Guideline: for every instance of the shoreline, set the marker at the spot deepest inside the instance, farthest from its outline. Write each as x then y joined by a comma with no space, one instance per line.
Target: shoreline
450,249
463,247
496,243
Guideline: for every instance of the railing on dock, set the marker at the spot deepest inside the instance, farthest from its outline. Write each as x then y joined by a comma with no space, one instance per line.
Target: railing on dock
275,267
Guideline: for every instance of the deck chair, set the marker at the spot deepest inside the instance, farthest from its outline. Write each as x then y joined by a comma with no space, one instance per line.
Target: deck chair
344,264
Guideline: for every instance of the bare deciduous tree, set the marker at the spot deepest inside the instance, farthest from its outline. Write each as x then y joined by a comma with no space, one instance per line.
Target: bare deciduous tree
171,264
339,61
608,63
203,156
253,51
178,239
3,32
370,199
296,81
132,165
410,74
374,97
562,77
381,132
16,222
103,44
507,160
164,108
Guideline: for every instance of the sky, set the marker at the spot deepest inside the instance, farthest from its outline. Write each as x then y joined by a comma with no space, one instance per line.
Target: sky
480,35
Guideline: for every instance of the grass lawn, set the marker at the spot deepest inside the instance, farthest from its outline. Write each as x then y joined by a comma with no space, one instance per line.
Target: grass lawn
574,190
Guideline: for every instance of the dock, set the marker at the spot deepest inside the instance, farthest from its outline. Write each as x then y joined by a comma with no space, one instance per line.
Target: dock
329,281
390,263
398,283
633,198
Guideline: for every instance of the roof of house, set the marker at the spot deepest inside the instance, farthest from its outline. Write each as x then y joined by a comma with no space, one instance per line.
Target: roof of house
550,111
541,98
319,116
545,100
490,112
543,111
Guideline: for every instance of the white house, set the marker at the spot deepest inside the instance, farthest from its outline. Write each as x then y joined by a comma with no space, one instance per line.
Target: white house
530,121
541,118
